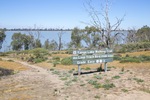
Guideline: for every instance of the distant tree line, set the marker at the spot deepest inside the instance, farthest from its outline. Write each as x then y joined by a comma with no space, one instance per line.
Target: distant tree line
90,35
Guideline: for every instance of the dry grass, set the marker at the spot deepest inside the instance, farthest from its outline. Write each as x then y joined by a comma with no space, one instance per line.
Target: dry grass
146,53
93,66
12,65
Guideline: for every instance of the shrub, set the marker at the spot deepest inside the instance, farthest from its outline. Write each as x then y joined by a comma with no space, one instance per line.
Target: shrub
56,58
39,55
5,72
66,61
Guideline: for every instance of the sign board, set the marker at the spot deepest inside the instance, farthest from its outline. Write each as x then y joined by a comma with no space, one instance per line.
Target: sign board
92,56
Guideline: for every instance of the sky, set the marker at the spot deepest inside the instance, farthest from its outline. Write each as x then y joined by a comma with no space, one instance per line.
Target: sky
70,13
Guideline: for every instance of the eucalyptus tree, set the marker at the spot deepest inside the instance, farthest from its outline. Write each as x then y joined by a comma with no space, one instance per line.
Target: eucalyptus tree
2,37
76,37
17,41
91,36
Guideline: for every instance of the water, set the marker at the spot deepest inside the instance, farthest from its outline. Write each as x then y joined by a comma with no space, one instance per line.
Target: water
44,35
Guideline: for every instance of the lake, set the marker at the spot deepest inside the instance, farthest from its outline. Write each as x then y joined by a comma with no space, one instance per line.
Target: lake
44,35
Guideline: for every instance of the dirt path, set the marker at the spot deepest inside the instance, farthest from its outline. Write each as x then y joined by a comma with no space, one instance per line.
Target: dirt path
38,83
34,84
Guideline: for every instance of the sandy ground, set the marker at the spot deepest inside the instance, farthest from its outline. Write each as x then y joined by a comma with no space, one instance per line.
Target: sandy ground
39,83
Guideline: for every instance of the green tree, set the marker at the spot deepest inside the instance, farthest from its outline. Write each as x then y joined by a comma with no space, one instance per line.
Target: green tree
76,37
17,41
143,34
38,43
53,45
2,37
91,36
27,41
46,44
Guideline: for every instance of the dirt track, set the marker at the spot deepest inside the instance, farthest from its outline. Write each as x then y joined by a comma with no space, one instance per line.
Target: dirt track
41,84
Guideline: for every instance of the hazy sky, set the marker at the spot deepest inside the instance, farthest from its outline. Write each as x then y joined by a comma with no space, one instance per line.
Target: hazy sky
69,13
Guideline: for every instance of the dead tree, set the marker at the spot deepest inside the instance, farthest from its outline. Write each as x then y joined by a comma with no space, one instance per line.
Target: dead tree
108,31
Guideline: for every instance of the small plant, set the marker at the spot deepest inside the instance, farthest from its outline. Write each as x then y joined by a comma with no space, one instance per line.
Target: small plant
56,72
98,77
116,77
52,69
138,80
107,86
124,90
66,61
87,68
95,84
99,69
70,71
92,82
68,83
82,85
75,79
122,69
145,90
64,78
97,97
10,60
56,58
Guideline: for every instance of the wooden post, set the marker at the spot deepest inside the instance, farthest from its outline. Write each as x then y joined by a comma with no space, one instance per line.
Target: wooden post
79,70
105,65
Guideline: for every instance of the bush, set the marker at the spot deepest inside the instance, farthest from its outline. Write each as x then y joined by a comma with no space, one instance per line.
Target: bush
39,55
56,58
66,61
5,72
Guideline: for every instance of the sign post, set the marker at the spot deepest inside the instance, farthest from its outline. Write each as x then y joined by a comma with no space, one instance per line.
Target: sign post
79,70
91,57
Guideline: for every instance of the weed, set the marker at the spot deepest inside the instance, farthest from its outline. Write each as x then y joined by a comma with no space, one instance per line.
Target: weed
52,69
68,83
138,80
124,90
99,69
97,97
70,71
64,78
75,79
145,90
10,60
107,86
87,68
98,85
122,69
82,85
56,72
98,77
92,82
116,77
